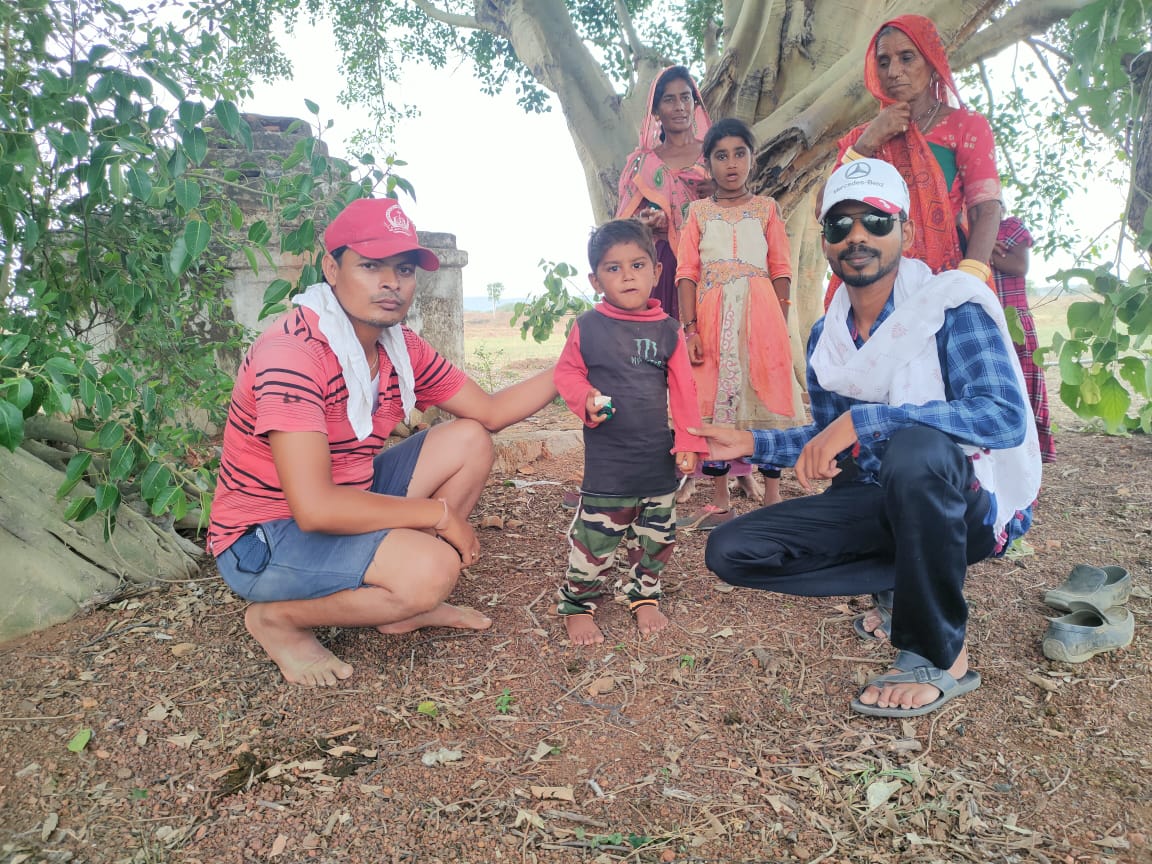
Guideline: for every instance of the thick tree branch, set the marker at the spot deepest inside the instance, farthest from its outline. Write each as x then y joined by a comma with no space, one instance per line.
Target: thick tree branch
1017,23
629,29
452,19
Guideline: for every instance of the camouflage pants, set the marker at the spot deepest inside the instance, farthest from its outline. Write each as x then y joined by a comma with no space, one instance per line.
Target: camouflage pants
648,528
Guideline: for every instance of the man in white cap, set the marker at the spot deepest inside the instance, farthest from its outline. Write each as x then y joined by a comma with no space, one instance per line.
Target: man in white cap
313,521
921,424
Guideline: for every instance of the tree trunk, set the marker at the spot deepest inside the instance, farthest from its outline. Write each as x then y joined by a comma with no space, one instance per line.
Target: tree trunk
53,567
1140,190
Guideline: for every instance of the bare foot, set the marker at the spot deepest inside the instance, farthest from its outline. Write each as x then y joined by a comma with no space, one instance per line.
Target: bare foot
444,615
582,630
874,624
686,491
649,620
912,695
750,487
300,656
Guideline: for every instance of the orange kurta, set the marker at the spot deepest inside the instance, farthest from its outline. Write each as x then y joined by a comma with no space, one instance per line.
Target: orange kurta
733,254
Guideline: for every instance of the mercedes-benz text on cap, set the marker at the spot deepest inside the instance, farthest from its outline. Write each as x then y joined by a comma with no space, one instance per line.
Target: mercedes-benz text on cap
871,181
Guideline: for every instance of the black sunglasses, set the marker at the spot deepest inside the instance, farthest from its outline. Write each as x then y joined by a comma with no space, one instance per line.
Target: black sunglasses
876,224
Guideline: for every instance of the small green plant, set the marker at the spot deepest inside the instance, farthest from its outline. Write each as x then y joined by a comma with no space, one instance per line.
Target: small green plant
561,298
504,701
687,661
428,708
485,366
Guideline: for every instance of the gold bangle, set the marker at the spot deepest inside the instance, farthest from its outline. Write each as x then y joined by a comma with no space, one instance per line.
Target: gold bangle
975,268
442,522
851,155
784,301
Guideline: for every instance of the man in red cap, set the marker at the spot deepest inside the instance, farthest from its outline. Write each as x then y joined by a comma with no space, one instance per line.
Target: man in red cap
314,522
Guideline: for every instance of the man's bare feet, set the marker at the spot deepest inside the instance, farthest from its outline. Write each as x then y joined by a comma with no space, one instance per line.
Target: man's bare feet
649,620
444,615
686,491
582,630
300,656
912,695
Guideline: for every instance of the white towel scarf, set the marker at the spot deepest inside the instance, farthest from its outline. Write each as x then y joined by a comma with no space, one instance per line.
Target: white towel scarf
899,365
337,329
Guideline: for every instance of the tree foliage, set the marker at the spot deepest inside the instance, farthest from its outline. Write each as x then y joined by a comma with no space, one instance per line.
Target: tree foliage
115,235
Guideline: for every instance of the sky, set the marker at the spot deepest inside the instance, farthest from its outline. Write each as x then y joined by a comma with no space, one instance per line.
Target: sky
508,184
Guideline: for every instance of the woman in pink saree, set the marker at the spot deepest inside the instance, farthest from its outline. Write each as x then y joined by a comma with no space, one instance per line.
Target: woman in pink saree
666,172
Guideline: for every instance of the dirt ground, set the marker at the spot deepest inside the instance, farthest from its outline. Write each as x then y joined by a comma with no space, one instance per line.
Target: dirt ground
151,728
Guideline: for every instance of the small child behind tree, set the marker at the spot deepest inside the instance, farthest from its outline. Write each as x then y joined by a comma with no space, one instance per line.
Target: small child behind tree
626,350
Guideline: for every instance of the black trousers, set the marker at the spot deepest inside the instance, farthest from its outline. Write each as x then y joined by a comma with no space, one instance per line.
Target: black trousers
915,533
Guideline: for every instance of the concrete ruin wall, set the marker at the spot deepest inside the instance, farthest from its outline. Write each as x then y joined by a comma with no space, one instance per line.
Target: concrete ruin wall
437,312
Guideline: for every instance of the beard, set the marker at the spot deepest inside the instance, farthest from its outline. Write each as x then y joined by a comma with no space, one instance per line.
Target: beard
853,277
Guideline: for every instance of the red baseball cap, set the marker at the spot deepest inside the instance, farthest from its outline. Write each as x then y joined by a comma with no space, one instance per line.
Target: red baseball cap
377,228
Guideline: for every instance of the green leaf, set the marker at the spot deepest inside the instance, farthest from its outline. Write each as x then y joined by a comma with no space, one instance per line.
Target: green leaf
107,497
81,509
191,112
427,708
22,392
312,107
1113,404
122,462
1015,328
178,259
12,346
167,498
1136,371
259,232
140,183
276,291
74,473
229,117
187,193
155,479
111,434
195,144
197,235
80,740
87,391
11,425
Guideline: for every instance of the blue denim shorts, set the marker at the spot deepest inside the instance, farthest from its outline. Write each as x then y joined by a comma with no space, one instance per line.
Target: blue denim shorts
278,561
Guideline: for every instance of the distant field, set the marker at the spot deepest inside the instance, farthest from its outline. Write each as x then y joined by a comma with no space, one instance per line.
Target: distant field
496,355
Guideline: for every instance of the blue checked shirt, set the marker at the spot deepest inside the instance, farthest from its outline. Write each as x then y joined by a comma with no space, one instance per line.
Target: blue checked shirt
983,406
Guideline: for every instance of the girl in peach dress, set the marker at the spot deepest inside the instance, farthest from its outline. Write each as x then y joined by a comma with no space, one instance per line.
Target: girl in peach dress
734,279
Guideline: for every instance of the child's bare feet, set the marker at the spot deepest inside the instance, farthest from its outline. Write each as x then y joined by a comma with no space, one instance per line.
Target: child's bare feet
582,629
772,491
749,486
649,619
686,491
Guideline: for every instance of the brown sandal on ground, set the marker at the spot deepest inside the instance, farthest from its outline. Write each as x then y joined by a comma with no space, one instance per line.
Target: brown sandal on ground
704,519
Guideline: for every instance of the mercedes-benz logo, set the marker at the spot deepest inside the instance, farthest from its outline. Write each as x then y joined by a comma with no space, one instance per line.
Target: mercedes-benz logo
857,170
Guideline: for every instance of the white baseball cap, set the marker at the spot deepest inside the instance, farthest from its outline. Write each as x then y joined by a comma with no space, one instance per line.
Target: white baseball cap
870,181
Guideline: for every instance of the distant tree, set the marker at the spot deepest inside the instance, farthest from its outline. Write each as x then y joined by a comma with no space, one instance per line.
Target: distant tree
495,290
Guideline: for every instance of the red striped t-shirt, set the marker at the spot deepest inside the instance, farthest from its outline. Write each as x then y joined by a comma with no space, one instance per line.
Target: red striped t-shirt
291,381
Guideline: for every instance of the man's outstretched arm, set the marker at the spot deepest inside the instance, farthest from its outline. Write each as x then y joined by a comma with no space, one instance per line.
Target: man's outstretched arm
496,410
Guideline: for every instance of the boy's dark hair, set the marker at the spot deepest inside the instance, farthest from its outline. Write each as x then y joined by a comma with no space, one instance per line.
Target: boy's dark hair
729,127
616,232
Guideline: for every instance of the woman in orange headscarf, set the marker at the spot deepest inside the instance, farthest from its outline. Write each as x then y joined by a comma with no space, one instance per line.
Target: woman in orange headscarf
944,152
666,172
